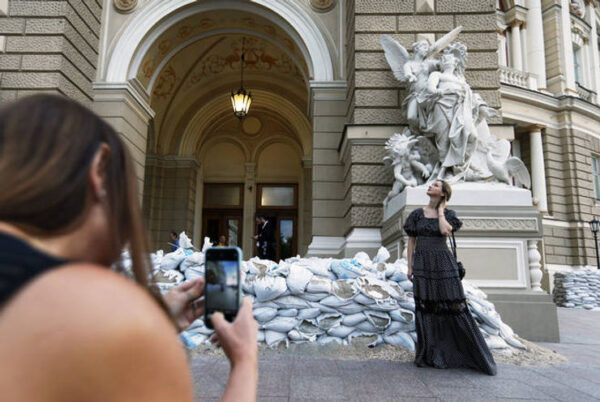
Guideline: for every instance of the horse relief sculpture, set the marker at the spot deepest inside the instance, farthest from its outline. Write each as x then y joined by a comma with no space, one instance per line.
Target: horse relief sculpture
447,135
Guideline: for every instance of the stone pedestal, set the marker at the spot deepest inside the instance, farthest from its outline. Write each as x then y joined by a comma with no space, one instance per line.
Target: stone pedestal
497,245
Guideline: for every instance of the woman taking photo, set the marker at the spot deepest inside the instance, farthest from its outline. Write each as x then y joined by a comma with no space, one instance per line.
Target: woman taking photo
447,335
72,329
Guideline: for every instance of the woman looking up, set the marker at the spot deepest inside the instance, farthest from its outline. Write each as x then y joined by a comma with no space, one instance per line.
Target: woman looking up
72,329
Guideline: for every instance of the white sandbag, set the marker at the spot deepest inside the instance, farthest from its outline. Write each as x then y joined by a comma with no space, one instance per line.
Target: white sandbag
352,320
385,305
347,269
309,327
402,315
270,304
490,330
351,308
362,258
298,279
299,337
407,304
309,313
406,285
400,339
344,289
394,327
376,342
264,314
495,342
382,255
155,258
314,297
184,241
319,285
364,300
334,301
172,260
322,307
282,269
194,272
261,336
489,317
288,312
269,287
379,319
329,320
206,245
194,259
340,331
281,324
191,339
291,302
366,326
514,342
274,338
248,283
318,266
506,331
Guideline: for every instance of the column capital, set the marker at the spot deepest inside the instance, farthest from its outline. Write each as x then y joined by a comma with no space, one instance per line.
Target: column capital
535,127
307,163
516,16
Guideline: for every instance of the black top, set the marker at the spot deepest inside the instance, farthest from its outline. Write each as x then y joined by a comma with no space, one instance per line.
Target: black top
19,264
417,224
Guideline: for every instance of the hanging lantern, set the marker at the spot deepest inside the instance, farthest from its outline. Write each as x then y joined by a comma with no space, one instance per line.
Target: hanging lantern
241,99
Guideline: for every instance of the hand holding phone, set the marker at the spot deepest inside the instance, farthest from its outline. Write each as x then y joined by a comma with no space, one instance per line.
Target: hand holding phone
222,277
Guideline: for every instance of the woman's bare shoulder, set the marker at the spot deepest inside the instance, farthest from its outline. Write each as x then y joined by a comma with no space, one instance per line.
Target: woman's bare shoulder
97,324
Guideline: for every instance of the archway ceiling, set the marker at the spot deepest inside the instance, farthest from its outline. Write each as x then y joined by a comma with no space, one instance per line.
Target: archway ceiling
199,59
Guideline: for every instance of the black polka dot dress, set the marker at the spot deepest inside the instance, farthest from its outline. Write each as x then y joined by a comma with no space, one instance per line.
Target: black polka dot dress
447,335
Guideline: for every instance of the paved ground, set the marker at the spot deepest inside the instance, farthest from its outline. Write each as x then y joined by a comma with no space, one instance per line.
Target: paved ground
297,378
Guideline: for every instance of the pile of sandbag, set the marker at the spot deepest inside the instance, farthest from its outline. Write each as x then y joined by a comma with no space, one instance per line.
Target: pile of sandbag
334,301
579,289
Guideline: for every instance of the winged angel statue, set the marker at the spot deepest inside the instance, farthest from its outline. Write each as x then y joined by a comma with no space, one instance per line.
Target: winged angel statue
447,135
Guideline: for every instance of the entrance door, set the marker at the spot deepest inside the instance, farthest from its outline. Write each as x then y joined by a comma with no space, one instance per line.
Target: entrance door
222,212
278,203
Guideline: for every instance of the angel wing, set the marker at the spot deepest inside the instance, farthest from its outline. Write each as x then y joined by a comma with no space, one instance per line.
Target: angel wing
500,150
517,168
396,56
444,41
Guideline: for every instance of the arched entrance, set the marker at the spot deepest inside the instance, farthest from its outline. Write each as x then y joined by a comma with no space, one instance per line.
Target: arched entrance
202,169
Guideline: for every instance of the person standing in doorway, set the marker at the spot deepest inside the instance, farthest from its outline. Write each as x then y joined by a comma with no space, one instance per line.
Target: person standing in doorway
223,241
174,241
265,239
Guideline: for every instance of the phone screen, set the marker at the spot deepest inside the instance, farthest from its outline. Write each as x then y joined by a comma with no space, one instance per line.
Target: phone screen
222,276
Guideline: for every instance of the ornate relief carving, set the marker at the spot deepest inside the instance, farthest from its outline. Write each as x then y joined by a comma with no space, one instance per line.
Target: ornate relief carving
500,224
322,5
125,6
577,7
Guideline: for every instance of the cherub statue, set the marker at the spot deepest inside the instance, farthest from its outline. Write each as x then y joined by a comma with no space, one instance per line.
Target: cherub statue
415,71
413,159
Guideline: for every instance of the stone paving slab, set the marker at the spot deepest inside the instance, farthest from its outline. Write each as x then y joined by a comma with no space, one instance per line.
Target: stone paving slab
298,378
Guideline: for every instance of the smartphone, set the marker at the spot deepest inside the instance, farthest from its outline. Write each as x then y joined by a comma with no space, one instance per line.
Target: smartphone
222,291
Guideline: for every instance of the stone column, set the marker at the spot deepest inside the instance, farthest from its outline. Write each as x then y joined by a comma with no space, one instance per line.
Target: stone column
568,65
515,45
502,59
249,209
305,238
126,107
538,175
535,270
594,53
536,56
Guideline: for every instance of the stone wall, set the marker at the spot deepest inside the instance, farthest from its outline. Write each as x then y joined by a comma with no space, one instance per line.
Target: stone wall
169,198
49,46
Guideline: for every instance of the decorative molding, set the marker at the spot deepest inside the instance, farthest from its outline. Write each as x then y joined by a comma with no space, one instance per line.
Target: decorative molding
490,224
125,6
323,5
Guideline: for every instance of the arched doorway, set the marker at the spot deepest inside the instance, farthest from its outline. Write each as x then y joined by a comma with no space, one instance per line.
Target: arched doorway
179,60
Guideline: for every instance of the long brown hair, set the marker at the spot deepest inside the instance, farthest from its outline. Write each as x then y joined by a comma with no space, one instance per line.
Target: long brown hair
47,144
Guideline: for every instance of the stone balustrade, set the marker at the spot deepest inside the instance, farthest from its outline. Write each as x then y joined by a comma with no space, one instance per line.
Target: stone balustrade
518,78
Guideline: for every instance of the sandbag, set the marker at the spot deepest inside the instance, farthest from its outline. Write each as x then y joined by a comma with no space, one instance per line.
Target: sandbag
325,340
328,320
380,320
346,268
314,297
261,336
319,285
364,300
280,324
298,278
352,320
340,331
288,312
351,308
400,339
344,289
195,259
264,314
291,302
299,337
309,313
382,255
334,301
309,327
172,260
274,338
269,287
194,272
402,315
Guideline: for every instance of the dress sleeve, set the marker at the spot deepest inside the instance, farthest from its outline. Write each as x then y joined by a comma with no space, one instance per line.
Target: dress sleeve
410,226
453,220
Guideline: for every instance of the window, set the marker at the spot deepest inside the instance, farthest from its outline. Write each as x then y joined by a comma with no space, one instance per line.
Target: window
578,64
223,195
596,176
277,196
